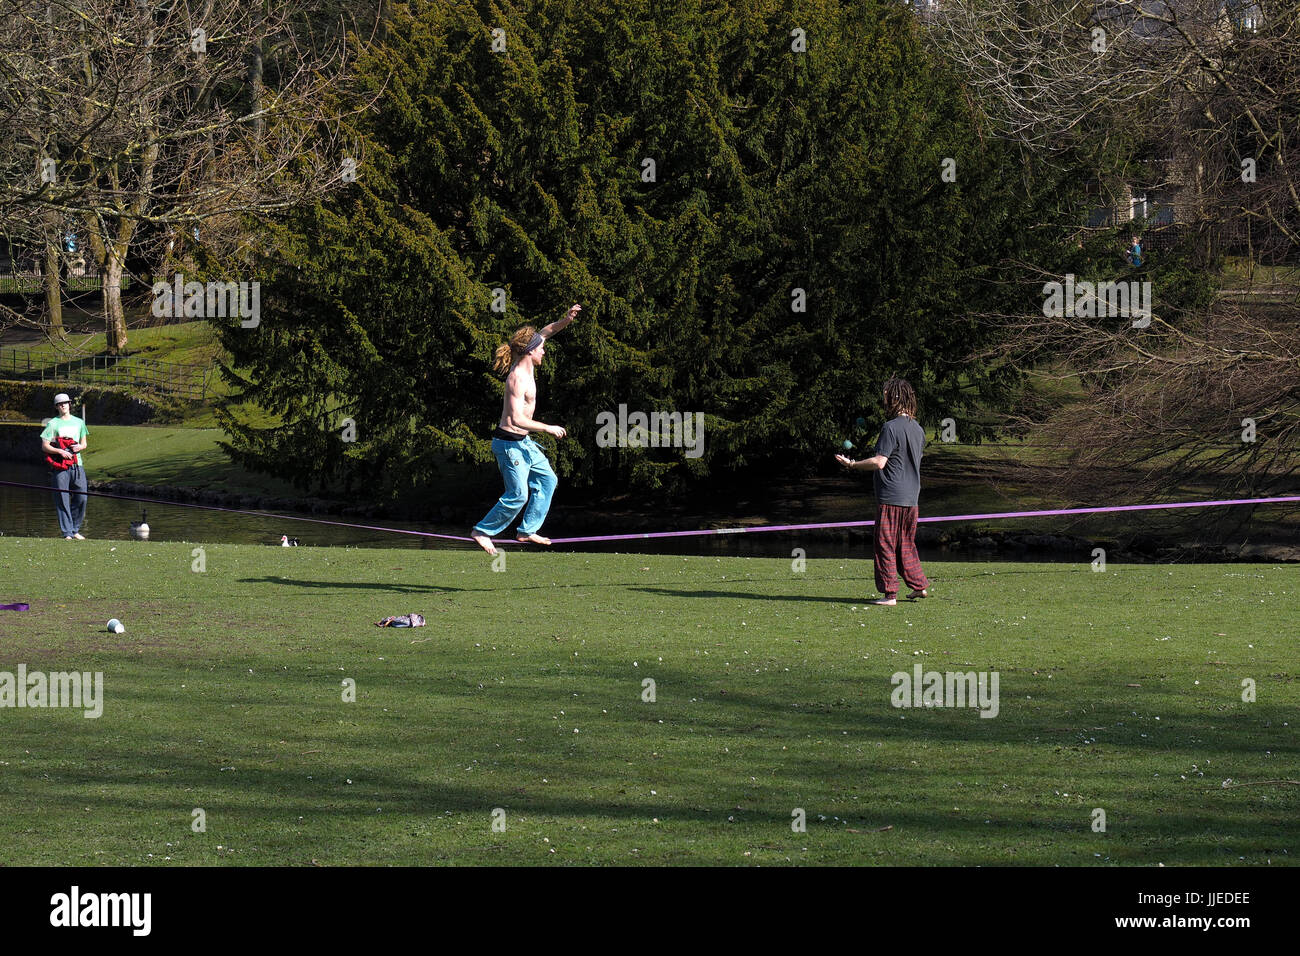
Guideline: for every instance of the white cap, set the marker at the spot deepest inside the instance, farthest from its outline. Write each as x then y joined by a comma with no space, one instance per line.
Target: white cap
62,397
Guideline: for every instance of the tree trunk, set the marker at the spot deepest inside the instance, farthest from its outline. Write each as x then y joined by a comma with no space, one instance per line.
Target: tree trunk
53,289
255,71
53,236
114,317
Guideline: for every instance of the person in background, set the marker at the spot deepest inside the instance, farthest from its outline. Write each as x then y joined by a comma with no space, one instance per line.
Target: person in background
64,439
1134,253
897,467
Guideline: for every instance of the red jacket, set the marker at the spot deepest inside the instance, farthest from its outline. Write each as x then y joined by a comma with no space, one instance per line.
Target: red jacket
61,463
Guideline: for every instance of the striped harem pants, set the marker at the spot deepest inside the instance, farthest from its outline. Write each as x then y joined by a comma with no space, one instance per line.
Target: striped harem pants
896,550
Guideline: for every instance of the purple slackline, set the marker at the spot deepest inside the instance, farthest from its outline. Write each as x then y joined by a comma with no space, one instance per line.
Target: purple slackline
979,517
699,533
14,607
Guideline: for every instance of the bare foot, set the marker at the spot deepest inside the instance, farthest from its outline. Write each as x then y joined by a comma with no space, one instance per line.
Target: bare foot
534,538
484,542
886,602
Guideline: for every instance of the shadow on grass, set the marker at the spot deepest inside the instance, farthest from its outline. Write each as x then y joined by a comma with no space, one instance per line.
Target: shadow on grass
361,585
410,746
936,583
716,706
751,596
242,795
1199,825
511,588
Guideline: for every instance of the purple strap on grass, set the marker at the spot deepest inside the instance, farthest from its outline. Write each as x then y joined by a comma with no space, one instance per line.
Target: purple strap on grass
702,532
14,607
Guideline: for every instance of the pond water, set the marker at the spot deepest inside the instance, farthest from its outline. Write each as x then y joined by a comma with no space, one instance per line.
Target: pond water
29,512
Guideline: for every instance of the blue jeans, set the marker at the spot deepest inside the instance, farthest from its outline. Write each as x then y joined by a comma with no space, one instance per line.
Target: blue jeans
71,507
529,481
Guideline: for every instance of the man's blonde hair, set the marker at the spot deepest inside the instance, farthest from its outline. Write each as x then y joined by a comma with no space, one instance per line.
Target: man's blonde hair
508,353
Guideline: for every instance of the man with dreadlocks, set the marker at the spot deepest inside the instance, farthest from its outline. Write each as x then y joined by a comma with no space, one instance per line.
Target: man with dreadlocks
528,475
897,467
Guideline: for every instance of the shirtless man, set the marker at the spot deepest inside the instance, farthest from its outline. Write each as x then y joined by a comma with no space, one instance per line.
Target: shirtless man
528,475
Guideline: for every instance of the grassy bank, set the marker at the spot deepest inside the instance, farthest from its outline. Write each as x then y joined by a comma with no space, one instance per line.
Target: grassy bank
1119,690
186,343
184,457
155,455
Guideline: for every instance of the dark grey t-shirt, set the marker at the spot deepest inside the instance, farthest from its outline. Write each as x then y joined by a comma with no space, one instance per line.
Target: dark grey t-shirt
901,441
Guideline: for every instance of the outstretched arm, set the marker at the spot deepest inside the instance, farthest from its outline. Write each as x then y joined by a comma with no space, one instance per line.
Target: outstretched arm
876,463
559,324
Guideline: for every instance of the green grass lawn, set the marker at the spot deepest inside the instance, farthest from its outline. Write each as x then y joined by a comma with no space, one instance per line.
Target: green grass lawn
186,343
1239,269
187,457
1119,690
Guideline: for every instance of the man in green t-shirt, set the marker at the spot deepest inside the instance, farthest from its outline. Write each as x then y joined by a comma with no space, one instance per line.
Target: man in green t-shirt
64,439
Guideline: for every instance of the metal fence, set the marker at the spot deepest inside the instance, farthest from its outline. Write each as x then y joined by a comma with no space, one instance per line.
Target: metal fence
109,371
29,283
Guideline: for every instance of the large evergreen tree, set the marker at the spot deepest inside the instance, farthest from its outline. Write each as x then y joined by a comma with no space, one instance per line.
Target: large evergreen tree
802,151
